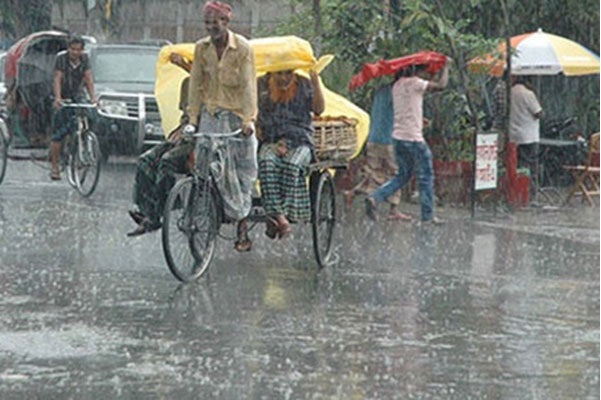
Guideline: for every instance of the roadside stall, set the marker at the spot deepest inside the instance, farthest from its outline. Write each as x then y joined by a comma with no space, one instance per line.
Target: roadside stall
535,53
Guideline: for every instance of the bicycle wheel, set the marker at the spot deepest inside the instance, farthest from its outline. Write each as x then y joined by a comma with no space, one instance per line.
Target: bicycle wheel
190,227
323,218
86,163
69,149
3,155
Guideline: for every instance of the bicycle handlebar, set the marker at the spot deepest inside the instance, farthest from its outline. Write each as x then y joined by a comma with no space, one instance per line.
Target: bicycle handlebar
216,134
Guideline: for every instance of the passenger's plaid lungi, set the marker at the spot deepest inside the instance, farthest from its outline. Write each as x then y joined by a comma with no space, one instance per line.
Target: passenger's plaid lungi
283,182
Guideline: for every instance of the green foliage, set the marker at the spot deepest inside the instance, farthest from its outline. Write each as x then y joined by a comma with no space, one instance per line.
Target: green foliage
359,32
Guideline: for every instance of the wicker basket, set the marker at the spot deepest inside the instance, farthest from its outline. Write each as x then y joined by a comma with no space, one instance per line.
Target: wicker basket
335,138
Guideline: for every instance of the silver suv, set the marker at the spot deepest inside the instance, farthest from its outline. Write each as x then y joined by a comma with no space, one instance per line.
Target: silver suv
124,78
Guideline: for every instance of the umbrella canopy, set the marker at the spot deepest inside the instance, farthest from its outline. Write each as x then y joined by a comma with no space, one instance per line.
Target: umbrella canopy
434,62
539,53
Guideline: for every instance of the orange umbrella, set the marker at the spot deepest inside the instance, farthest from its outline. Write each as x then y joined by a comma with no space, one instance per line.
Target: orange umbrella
539,53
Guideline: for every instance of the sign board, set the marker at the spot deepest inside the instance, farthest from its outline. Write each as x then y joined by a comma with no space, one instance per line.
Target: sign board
486,161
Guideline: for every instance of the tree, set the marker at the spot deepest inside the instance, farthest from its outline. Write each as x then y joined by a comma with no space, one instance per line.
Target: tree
22,17
362,31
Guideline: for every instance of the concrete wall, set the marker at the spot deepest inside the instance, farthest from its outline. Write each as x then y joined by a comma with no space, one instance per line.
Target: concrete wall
176,21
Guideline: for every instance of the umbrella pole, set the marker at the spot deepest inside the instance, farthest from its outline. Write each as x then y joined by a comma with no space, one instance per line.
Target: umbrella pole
511,175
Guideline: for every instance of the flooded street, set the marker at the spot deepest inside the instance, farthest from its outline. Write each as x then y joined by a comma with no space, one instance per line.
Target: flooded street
503,307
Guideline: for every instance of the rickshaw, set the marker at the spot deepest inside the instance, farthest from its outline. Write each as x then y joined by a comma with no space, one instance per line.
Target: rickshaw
194,212
26,119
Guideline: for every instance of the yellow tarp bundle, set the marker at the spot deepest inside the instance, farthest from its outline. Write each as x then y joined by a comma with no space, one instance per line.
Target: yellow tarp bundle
271,54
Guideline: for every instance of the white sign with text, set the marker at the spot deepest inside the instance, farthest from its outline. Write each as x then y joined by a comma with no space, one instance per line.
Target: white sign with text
486,161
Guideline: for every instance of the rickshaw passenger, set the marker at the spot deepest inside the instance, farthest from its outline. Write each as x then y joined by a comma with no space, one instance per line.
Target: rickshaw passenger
155,174
71,72
286,104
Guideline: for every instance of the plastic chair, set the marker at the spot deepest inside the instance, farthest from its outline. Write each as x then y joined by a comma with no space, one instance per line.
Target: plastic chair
586,177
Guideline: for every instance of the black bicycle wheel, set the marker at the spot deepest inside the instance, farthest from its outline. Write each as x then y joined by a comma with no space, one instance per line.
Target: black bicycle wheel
86,163
323,218
3,155
190,228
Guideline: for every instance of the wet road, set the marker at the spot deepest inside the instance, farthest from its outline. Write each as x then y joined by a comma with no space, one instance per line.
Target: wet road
497,308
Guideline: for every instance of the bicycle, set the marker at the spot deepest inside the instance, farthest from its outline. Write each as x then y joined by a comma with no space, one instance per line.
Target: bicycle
80,154
194,211
82,158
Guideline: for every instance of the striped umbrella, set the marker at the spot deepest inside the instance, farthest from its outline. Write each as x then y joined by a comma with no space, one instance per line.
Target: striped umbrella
539,53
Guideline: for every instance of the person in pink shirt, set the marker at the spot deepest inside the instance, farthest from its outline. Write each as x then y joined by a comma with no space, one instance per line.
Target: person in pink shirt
411,151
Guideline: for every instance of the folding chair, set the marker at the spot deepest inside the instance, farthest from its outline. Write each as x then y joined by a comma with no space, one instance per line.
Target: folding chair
586,177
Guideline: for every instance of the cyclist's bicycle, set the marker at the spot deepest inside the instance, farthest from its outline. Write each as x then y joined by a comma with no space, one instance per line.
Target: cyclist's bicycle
81,152
80,155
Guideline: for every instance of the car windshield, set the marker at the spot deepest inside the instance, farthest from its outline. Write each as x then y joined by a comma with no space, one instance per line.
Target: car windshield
125,65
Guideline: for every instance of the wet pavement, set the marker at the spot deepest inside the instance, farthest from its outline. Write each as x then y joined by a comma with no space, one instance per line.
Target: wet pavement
500,307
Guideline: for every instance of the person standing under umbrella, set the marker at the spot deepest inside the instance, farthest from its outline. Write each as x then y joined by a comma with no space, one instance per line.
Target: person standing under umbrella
412,153
524,127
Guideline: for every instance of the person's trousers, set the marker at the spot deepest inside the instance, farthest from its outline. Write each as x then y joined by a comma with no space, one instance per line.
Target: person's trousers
411,157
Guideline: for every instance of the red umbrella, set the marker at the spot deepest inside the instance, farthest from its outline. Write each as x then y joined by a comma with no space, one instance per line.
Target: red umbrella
434,62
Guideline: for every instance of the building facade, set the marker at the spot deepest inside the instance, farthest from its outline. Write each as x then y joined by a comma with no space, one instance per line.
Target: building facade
149,20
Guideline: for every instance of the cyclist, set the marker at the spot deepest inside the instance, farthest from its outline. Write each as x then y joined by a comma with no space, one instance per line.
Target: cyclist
222,98
71,72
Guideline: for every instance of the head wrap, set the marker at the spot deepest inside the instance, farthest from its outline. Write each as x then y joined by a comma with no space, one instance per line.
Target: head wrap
222,9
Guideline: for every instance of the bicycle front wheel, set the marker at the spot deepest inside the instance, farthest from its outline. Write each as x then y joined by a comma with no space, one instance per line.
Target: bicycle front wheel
190,228
85,163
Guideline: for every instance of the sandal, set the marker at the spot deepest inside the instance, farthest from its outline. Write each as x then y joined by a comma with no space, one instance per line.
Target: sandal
243,246
137,216
243,243
55,176
284,227
272,229
399,216
144,226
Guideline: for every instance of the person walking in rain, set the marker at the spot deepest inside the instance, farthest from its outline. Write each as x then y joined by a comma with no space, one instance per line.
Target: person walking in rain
223,98
379,155
524,127
72,72
412,153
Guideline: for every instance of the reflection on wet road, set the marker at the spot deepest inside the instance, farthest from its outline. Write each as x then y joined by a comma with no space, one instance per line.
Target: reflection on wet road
506,308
